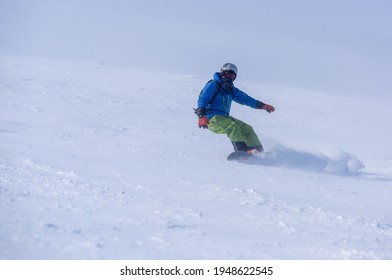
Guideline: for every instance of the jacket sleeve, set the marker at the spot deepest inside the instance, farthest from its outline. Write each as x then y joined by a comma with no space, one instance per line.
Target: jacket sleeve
242,98
206,95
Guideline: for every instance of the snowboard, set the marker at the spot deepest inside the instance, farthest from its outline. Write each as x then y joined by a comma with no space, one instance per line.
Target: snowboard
239,156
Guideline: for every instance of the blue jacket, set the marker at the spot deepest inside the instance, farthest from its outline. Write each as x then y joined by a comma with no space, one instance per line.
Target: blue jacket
221,103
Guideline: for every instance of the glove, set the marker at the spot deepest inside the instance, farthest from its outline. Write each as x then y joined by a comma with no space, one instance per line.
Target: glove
200,112
263,106
203,122
268,108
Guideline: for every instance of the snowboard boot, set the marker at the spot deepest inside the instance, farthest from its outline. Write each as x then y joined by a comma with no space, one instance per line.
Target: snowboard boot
240,146
258,148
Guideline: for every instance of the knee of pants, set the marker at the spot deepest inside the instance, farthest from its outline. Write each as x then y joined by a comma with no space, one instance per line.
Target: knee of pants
236,133
247,129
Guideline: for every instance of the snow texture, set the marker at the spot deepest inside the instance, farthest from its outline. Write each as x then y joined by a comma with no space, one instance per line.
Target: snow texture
104,162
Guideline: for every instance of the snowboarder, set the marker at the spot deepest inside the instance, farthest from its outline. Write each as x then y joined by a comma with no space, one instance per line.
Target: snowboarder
214,110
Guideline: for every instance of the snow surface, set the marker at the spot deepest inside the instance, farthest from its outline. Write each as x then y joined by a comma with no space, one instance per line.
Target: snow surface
103,162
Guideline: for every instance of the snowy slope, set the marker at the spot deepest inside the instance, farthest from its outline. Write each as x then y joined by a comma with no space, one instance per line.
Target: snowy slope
99,162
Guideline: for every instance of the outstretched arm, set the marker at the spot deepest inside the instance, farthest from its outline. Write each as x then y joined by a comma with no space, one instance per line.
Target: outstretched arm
243,98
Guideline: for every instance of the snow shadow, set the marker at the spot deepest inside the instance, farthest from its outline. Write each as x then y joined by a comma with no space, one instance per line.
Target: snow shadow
343,164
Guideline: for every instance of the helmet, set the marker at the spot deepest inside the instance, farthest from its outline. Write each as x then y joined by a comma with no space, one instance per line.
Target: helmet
229,67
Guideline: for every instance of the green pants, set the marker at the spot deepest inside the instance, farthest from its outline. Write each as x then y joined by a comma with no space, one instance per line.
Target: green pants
236,130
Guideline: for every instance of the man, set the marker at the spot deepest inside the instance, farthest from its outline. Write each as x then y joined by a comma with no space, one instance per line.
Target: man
214,110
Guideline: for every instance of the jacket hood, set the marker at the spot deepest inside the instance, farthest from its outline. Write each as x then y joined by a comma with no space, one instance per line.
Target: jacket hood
217,77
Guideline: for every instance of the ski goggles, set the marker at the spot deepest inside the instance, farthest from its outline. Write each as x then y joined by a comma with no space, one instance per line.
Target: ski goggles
230,75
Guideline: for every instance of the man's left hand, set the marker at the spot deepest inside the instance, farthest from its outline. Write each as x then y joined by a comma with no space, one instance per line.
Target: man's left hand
268,108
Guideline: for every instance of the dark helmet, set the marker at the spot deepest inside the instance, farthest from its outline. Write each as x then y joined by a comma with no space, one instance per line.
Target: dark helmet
229,67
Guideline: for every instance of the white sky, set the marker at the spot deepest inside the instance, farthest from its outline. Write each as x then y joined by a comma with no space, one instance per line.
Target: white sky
336,45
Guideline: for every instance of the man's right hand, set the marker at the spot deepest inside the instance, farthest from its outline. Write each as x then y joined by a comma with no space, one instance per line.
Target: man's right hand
203,122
